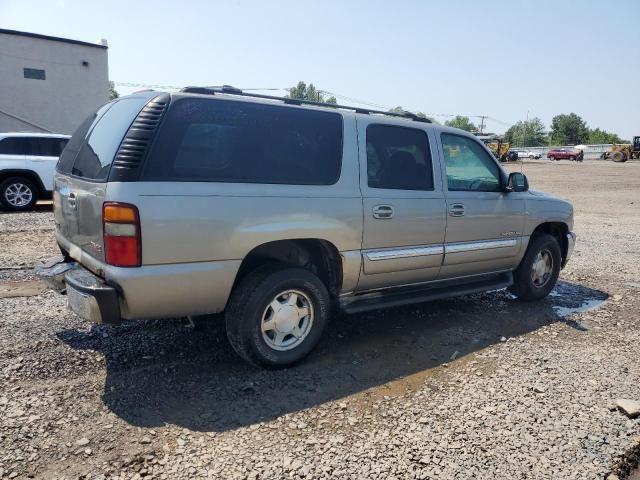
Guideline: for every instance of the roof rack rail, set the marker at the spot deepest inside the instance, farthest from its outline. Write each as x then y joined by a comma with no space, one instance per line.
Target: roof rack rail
228,89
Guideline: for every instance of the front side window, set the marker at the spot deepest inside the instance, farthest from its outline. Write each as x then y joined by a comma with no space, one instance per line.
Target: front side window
398,158
13,146
240,142
469,167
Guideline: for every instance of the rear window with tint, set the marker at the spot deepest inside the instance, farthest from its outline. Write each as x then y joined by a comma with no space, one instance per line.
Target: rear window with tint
226,141
94,159
92,147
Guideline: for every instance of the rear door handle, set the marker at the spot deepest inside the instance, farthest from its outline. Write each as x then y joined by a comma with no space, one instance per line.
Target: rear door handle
383,212
456,210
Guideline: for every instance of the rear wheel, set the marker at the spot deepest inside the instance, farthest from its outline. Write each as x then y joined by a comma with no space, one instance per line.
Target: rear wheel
277,315
539,270
619,157
18,194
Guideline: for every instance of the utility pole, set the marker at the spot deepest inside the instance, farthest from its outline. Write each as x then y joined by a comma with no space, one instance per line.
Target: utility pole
482,117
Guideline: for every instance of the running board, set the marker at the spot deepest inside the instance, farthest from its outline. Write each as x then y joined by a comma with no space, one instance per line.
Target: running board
410,295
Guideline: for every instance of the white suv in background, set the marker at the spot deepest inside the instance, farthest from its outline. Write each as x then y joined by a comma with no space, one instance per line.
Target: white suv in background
27,165
528,154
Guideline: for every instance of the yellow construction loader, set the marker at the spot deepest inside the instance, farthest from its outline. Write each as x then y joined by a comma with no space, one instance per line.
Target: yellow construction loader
498,147
621,152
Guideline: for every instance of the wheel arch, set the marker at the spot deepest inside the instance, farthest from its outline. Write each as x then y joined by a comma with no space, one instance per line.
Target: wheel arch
559,231
317,255
28,174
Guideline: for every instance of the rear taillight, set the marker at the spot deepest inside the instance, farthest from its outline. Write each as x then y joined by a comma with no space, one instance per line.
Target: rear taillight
121,227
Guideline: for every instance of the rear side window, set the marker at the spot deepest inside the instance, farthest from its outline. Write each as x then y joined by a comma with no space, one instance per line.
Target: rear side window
50,147
13,146
227,141
398,158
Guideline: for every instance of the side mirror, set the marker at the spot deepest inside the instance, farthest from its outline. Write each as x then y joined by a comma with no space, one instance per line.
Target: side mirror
517,182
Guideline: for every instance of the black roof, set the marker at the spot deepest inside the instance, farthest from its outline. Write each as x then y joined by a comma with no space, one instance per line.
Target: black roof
53,39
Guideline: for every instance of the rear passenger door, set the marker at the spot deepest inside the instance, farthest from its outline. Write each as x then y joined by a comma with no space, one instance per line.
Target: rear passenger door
404,208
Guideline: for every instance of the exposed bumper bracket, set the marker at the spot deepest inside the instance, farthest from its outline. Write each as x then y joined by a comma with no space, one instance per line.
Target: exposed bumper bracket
91,298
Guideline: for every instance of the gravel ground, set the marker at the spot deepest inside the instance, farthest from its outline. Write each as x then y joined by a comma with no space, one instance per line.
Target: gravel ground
477,387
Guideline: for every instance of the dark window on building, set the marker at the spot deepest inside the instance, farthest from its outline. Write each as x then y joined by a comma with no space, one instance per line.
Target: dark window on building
398,158
227,141
34,74
95,156
13,146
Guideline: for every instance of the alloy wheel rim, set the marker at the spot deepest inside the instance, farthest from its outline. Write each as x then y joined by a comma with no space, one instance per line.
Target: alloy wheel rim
542,268
18,195
287,320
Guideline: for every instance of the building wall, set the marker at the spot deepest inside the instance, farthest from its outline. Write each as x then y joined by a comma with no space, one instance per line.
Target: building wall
69,93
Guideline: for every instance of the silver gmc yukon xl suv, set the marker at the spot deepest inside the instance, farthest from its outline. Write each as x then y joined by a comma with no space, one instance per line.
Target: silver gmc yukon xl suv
274,211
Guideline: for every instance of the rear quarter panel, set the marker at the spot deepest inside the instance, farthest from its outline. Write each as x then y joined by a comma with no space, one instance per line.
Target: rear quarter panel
191,224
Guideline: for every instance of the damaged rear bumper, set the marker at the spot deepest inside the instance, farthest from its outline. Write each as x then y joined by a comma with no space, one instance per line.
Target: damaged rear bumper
88,296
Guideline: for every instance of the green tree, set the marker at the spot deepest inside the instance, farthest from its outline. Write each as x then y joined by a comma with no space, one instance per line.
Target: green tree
113,93
597,136
462,123
528,133
569,130
399,109
310,93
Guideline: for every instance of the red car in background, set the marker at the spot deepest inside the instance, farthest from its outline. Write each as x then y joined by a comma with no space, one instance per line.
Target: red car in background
562,154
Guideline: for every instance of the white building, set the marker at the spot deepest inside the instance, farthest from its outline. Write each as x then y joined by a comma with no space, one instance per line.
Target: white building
49,84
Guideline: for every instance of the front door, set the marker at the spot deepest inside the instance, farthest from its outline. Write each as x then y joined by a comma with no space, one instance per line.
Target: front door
485,224
404,208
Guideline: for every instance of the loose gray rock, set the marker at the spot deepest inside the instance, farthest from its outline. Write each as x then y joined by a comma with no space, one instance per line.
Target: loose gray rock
631,408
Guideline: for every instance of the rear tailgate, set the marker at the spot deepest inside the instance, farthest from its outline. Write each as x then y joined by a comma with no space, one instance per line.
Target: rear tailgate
82,174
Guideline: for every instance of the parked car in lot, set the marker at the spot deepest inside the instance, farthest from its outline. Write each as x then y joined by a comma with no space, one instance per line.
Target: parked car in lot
527,154
562,154
27,166
274,211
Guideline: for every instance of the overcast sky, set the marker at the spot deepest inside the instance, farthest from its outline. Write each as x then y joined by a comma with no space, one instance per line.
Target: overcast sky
496,58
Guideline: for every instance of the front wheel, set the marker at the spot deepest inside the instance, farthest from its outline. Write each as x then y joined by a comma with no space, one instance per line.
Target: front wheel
539,270
552,158
277,315
18,194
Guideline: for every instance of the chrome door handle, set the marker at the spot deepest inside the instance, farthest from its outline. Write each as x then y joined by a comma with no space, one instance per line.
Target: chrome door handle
383,212
456,210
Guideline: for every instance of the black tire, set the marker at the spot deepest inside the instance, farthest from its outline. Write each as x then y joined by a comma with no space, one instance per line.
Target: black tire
618,157
552,158
524,286
252,297
8,186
